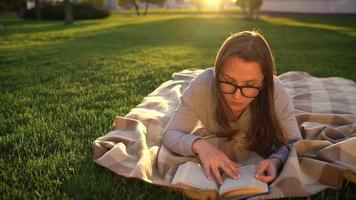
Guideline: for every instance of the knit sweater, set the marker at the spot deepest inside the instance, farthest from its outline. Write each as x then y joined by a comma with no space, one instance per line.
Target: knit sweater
197,108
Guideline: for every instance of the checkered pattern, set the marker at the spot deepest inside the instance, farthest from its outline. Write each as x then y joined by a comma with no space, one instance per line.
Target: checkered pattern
326,114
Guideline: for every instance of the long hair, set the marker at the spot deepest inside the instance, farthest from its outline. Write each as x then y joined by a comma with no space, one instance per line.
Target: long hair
265,131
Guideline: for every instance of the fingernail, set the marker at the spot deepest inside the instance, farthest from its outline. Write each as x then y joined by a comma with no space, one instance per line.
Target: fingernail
256,175
209,178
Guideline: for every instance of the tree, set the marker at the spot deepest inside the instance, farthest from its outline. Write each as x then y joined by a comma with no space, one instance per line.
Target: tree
68,12
38,9
249,7
137,8
135,4
13,5
159,2
146,7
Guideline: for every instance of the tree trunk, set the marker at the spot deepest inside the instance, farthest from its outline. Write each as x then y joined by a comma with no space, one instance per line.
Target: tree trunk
38,9
137,8
68,12
146,7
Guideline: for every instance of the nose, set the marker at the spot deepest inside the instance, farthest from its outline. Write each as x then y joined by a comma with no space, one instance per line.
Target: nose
237,94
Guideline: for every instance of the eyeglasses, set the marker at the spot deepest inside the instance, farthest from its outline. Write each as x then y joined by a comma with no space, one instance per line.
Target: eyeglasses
246,91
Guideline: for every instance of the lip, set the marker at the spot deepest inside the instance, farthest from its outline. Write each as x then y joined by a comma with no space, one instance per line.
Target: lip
236,103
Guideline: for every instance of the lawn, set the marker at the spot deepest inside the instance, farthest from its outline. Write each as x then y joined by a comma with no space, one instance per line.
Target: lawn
61,86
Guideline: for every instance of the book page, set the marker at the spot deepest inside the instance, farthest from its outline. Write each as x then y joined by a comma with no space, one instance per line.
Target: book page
247,184
192,174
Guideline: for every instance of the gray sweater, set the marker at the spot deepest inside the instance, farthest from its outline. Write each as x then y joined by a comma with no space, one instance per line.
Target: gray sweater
197,108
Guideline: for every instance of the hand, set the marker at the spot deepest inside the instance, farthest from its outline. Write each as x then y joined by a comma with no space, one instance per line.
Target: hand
267,170
213,159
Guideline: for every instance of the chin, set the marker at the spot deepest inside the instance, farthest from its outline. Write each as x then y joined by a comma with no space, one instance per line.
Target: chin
237,108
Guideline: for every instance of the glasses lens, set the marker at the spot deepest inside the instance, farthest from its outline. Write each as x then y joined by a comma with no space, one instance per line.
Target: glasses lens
250,92
226,88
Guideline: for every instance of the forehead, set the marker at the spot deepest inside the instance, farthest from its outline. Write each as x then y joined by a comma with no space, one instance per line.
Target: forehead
240,70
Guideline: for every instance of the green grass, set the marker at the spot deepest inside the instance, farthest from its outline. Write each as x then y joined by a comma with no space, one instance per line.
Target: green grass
191,11
61,86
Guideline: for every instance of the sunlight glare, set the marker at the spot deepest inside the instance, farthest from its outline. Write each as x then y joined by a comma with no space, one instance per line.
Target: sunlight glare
215,3
211,3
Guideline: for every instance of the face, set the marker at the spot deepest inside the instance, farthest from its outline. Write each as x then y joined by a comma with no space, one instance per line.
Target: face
239,72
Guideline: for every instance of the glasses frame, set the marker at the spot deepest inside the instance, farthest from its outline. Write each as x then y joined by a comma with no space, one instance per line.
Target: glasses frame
240,88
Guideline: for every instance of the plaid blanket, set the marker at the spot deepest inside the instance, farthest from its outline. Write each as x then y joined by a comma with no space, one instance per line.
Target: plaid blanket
326,114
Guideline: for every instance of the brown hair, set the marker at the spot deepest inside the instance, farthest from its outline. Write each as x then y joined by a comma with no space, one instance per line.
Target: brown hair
265,132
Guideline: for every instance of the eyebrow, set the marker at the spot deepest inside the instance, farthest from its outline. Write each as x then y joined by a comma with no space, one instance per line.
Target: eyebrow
248,81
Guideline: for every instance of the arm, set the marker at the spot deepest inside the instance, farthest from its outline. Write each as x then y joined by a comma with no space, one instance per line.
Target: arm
179,142
179,138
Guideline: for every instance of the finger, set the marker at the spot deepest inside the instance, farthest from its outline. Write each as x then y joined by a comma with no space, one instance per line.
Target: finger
235,166
272,171
232,164
270,175
229,170
266,179
262,167
207,171
217,175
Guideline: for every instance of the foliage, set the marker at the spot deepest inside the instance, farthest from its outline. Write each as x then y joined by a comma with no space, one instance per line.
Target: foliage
12,5
249,7
56,12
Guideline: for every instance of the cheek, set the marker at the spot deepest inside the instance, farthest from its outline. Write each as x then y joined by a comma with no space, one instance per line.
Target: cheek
249,100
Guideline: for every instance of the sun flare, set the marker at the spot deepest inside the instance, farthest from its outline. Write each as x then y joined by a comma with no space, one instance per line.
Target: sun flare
211,3
215,3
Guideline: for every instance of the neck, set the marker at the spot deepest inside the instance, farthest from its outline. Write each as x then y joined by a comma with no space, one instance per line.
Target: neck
235,115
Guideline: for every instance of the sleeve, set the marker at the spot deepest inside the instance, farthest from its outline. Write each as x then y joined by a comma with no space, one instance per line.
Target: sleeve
178,137
285,113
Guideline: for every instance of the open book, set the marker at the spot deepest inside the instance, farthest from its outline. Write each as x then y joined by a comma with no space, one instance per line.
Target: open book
191,174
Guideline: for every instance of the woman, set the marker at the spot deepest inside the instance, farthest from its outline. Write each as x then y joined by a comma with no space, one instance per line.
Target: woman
239,95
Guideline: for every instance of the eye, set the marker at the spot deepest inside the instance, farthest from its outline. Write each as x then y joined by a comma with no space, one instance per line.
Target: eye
251,85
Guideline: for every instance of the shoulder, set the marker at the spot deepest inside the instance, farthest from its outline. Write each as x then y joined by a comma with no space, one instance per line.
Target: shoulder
277,83
204,81
282,100
279,88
